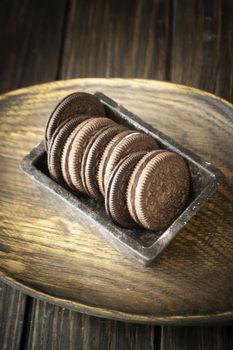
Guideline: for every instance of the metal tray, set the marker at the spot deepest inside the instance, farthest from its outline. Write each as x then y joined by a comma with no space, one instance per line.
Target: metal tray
140,244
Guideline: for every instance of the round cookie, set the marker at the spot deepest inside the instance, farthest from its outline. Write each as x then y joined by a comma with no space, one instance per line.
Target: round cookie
92,157
133,142
78,146
105,158
115,196
66,153
71,106
57,144
131,189
162,190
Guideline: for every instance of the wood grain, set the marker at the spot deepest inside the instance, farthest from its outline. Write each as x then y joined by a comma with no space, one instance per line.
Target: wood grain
27,57
201,56
53,327
224,81
12,313
197,338
202,45
22,61
118,38
155,61
215,53
37,60
93,277
31,40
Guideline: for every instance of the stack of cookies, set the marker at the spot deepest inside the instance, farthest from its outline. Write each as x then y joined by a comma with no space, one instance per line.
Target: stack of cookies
90,153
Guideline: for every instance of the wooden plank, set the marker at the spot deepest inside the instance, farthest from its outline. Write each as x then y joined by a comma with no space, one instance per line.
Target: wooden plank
202,45
117,38
30,42
197,338
12,312
224,80
202,52
27,57
52,327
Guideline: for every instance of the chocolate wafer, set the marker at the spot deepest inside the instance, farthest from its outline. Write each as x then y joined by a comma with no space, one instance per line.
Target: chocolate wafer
105,157
57,144
115,196
92,157
78,146
72,105
133,142
66,153
162,190
132,185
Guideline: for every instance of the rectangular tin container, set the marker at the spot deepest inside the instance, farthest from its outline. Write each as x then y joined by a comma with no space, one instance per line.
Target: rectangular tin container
140,244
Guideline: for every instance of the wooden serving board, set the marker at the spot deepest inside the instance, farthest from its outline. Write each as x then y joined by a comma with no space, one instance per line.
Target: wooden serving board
49,257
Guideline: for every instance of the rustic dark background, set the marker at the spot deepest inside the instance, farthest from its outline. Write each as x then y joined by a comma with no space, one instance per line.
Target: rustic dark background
188,42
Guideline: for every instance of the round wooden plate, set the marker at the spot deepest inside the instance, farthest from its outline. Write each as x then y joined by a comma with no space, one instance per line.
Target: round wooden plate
49,257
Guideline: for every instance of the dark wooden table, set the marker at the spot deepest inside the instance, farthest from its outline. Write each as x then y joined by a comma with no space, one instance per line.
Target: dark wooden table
189,42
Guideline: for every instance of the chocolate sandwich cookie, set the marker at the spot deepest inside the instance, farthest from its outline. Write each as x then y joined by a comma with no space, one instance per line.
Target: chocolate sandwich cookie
57,144
105,158
66,154
92,157
132,142
161,190
72,105
115,196
78,146
131,189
